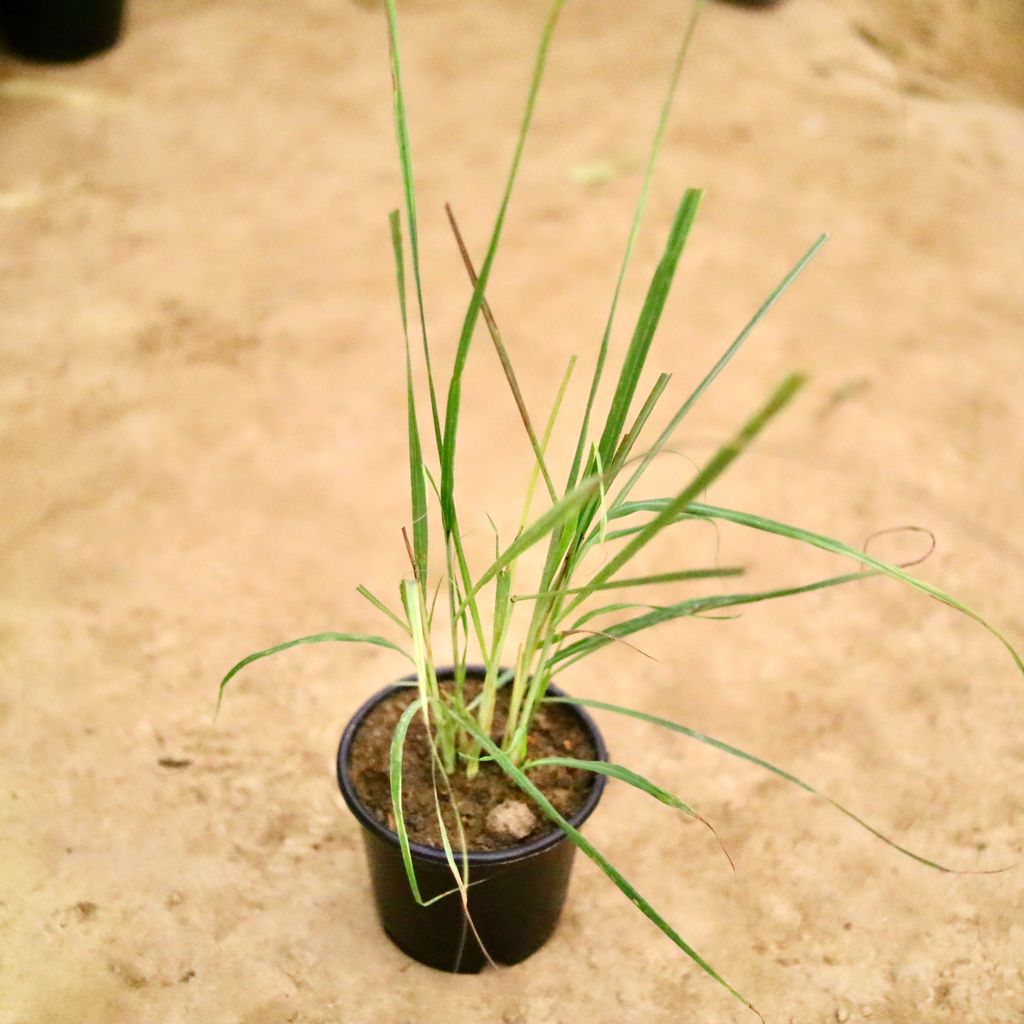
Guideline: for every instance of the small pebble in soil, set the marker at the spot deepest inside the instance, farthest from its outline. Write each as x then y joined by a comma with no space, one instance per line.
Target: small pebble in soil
511,820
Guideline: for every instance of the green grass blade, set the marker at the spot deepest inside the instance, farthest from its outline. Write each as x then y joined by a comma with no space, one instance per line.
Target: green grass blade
451,416
629,439
634,230
397,806
640,581
442,734
317,638
382,607
817,540
625,447
412,602
487,697
768,766
692,606
615,771
395,223
606,609
417,481
673,424
470,591
461,876
628,508
719,462
570,536
502,607
523,782
554,518
409,191
401,831
647,324
548,428
601,504
638,781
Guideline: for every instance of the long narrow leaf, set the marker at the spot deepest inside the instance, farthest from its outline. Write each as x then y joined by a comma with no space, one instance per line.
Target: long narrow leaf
523,782
397,805
451,416
317,638
634,230
395,779
615,771
382,607
409,191
629,439
817,540
635,779
547,614
768,766
647,324
461,875
417,481
692,606
556,407
555,517
639,581
673,424
719,462
468,588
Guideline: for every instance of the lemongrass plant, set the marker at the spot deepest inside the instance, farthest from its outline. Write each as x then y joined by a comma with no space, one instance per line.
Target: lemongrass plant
572,612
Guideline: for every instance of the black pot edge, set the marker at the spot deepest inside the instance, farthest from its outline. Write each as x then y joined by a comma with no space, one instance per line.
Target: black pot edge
474,857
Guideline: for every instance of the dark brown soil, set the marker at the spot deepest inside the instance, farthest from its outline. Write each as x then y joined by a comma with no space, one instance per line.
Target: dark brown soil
556,731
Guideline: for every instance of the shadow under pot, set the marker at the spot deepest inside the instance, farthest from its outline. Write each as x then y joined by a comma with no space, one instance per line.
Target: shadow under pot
58,31
516,894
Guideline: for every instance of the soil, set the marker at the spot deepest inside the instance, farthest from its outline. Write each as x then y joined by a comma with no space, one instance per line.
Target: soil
556,732
202,453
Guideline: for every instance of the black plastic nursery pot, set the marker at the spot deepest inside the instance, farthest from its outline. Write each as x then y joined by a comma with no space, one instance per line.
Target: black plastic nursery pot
515,896
61,30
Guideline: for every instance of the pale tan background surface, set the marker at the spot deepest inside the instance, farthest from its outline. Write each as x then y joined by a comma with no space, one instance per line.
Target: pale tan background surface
201,453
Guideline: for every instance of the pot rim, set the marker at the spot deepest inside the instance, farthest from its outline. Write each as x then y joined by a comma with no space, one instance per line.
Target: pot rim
474,858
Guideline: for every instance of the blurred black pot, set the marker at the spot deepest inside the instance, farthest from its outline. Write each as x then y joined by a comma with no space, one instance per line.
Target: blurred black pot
61,30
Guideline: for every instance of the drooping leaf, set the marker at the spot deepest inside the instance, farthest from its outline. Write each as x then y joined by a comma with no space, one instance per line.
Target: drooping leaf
317,638
727,748
690,607
637,781
818,540
640,581
519,777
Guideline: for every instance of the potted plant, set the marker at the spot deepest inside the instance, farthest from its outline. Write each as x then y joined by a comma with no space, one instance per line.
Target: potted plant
471,779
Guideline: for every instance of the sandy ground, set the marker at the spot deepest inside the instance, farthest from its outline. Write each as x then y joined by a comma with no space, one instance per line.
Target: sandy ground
201,453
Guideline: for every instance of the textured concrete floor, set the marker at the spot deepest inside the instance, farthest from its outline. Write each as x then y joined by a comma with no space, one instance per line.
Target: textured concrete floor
201,453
